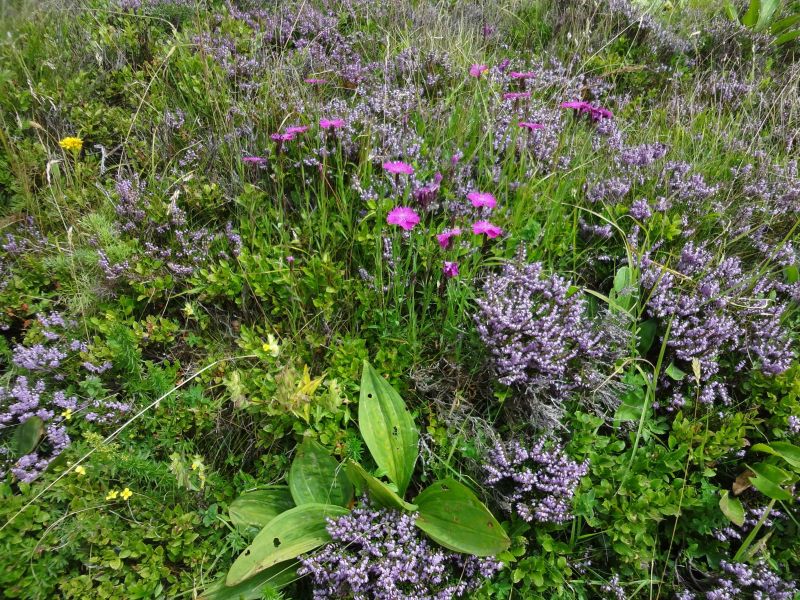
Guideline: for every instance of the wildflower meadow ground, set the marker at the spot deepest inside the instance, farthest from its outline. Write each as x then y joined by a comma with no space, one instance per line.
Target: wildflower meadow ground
413,300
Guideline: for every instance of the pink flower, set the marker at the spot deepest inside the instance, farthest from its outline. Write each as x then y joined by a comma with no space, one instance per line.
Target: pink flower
290,259
282,137
478,70
595,112
254,160
479,199
484,227
531,126
456,158
450,269
525,75
403,216
315,81
331,123
445,238
397,167
516,95
297,129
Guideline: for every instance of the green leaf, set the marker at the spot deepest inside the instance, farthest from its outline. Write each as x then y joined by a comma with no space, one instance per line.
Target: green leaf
787,37
750,18
275,578
316,477
777,28
733,14
788,452
766,12
387,428
622,279
647,334
455,518
378,491
675,373
27,435
259,507
732,508
768,481
290,534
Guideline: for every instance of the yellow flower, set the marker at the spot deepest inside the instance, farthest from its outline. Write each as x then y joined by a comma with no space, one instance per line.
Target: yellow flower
112,495
271,346
80,470
125,494
67,414
197,463
71,143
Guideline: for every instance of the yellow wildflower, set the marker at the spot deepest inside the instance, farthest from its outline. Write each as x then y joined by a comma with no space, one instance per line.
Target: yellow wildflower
74,144
67,414
271,346
112,495
80,470
197,463
125,494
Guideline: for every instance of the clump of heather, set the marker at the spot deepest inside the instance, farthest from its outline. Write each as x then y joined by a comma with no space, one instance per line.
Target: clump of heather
716,309
538,482
379,554
539,334
739,581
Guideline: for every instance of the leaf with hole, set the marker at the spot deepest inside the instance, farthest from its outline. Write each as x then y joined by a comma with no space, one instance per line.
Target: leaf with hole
380,493
259,507
732,508
287,536
453,516
387,428
315,476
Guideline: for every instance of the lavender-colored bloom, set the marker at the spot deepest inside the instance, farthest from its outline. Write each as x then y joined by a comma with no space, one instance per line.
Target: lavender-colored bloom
537,483
380,554
640,210
450,269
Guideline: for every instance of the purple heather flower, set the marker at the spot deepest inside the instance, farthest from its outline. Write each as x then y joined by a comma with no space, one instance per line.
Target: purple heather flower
486,228
404,217
481,199
445,238
427,193
522,75
282,137
398,167
450,269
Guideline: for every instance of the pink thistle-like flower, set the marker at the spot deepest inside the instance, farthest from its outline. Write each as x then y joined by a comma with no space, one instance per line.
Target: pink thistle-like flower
331,123
486,228
297,129
522,75
254,160
478,70
595,112
397,167
479,199
445,238
516,95
315,81
454,160
290,259
530,126
403,216
282,137
450,269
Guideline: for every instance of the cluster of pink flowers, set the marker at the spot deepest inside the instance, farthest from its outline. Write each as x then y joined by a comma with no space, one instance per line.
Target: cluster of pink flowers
595,113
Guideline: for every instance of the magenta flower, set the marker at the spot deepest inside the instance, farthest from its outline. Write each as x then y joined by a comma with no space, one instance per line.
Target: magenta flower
331,123
445,238
519,75
315,81
403,216
516,95
297,129
595,112
456,158
450,269
479,199
282,137
397,167
486,228
254,160
478,70
530,126
290,259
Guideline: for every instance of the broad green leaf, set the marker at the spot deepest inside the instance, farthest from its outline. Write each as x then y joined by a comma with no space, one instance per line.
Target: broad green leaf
259,507
765,13
622,279
387,428
317,477
732,508
275,578
632,405
787,37
455,518
290,534
788,452
378,491
777,28
647,333
675,373
750,18
769,488
733,14
27,435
